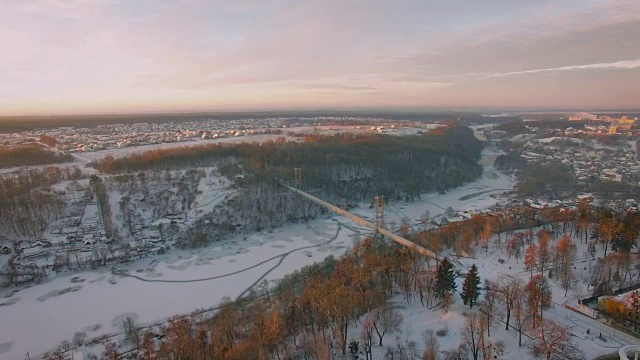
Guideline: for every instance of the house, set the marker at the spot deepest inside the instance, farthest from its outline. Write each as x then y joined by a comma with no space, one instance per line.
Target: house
43,243
5,249
587,197
519,235
611,175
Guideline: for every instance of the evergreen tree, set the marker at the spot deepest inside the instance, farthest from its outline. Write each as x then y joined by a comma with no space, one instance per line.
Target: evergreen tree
445,278
471,287
620,243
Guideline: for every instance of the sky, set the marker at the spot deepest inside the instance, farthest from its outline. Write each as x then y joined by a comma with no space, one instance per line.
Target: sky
111,56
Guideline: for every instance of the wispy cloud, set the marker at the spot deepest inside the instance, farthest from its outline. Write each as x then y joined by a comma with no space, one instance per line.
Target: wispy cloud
618,65
212,54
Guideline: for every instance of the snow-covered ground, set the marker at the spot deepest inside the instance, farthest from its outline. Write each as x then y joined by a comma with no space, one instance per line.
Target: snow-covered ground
155,288
163,286
593,337
37,318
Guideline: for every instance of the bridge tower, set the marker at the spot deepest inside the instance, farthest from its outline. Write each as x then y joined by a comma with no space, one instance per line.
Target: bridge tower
297,176
379,211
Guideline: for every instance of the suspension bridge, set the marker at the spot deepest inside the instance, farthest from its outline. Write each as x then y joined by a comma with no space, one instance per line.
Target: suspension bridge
400,240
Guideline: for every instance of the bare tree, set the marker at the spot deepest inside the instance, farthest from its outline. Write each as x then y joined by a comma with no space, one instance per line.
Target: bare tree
110,350
424,284
386,321
488,305
633,299
538,295
521,314
447,301
132,332
79,338
608,228
531,258
366,335
544,254
455,354
565,252
430,345
473,335
553,341
566,279
424,218
509,288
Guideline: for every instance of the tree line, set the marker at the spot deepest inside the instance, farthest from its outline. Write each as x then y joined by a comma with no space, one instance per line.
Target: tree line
552,179
29,155
347,166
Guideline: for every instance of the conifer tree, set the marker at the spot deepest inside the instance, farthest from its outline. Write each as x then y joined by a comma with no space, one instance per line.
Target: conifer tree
471,287
445,278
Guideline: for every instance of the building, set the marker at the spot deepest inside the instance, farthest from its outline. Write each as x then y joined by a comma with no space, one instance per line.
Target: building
625,120
583,116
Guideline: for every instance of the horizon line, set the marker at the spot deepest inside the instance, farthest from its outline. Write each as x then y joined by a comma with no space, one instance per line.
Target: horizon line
323,110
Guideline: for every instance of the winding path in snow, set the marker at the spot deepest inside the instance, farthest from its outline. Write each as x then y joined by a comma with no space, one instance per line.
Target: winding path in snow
280,256
471,196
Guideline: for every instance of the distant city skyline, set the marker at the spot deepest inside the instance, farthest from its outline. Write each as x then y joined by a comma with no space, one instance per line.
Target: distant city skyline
117,56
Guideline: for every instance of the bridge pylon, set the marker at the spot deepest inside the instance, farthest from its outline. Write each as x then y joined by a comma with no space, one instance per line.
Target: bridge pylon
379,200
297,176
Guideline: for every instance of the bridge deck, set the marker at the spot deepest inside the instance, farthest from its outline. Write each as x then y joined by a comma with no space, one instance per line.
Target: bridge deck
400,240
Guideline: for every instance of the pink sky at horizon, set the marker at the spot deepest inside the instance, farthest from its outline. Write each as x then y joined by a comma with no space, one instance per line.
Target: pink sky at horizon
109,56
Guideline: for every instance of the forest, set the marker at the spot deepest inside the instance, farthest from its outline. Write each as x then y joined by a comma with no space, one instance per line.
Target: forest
350,166
28,155
344,169
28,203
552,179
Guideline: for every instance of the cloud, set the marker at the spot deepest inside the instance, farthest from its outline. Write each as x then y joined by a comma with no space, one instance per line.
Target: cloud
279,52
338,87
618,65
536,42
